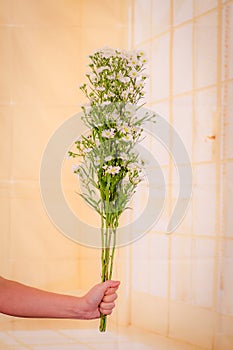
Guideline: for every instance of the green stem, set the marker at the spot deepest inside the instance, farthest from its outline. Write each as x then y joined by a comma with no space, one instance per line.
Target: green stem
112,255
107,257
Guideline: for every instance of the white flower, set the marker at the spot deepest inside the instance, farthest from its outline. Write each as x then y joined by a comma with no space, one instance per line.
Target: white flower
134,61
125,129
127,138
130,108
105,103
122,78
108,133
136,180
133,166
87,150
108,158
108,52
101,69
136,129
110,94
113,170
93,77
125,94
124,156
133,73
100,88
97,161
139,84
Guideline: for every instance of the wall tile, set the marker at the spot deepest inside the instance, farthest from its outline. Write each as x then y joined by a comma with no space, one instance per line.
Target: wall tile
227,121
149,312
5,234
192,324
182,60
104,14
162,108
31,133
35,239
185,226
182,121
225,279
64,275
158,150
204,199
160,16
227,39
158,274
226,185
27,241
203,6
5,141
7,78
160,72
142,28
40,13
30,273
183,11
140,265
164,220
181,264
224,333
203,256
89,273
46,65
206,50
204,125
121,272
182,190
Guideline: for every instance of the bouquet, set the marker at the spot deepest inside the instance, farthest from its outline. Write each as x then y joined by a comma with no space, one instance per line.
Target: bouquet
110,169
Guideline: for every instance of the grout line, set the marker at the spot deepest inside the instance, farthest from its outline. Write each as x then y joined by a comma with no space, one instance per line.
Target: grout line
178,26
170,169
194,65
218,174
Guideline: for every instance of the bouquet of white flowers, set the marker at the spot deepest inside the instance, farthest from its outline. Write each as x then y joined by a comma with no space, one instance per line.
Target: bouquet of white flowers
110,168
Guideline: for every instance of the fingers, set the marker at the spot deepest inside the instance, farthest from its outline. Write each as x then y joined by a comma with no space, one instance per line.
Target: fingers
109,298
107,304
106,308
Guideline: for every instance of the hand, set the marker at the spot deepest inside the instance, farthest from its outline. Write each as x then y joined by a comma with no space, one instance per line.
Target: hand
100,298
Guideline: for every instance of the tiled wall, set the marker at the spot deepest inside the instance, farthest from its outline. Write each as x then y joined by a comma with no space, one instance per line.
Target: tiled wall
44,47
182,284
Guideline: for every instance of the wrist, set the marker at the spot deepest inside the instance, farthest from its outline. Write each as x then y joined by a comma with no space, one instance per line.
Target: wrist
87,310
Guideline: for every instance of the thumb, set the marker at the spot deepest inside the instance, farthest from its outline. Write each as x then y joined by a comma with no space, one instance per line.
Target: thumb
109,284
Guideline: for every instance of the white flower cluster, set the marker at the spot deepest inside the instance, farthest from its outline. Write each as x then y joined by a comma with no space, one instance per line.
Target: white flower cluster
116,75
110,169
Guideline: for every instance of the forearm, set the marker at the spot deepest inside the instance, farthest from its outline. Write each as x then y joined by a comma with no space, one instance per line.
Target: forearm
19,300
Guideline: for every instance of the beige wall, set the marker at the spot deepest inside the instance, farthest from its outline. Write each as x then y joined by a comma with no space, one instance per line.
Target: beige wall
179,286
44,47
185,280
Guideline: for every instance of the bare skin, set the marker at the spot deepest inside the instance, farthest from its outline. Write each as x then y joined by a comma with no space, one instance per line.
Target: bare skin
19,300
